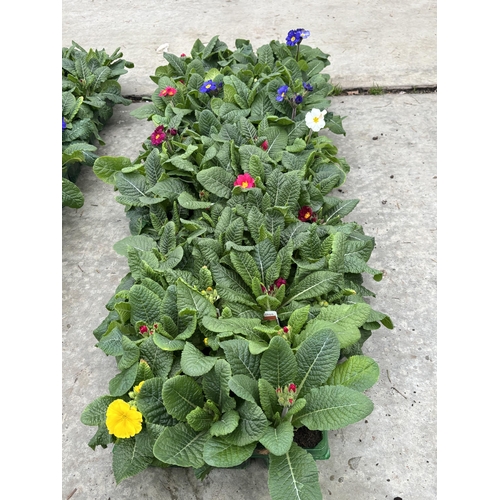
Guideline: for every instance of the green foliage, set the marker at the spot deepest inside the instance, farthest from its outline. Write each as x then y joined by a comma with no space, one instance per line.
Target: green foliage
243,316
89,92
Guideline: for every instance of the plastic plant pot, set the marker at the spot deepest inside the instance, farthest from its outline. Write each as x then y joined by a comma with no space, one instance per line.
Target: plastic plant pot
320,452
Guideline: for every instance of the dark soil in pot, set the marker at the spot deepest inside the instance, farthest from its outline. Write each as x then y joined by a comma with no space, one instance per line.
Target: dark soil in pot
306,438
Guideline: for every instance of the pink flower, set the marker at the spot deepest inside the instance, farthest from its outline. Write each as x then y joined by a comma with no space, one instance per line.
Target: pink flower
265,145
183,55
143,329
286,330
245,181
158,136
292,387
168,91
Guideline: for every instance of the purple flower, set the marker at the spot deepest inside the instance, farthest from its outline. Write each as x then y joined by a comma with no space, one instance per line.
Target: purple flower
208,86
63,124
298,99
307,86
282,92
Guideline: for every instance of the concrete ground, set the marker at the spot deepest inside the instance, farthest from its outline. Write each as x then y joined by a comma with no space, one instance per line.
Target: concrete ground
391,148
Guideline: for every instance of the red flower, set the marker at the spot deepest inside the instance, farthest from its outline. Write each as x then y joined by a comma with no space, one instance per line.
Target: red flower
158,136
143,329
265,145
168,91
292,387
306,214
183,55
245,181
286,330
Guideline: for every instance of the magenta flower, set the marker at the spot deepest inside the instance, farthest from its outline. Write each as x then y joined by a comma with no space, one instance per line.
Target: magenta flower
246,181
158,136
265,145
279,282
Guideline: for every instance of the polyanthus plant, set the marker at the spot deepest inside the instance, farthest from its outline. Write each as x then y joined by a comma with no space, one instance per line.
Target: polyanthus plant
243,383
200,170
89,92
243,316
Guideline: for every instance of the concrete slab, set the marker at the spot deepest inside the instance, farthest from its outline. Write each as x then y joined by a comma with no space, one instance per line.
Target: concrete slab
391,454
376,42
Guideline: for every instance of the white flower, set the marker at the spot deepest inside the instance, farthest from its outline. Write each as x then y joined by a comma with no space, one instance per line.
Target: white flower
315,119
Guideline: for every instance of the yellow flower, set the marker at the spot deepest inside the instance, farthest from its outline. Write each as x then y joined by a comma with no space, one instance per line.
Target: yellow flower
137,388
122,420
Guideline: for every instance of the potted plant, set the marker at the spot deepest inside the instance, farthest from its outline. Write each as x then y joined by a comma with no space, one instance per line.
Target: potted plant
89,92
242,320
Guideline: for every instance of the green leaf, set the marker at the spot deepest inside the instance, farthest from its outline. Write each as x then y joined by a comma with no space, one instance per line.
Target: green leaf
95,412
268,398
150,404
105,167
123,382
200,419
194,362
316,359
345,320
333,407
216,386
139,242
153,168
130,354
313,285
181,394
264,256
190,299
357,372
227,423
251,426
241,360
132,186
293,476
298,319
244,387
278,364
216,180
111,342
145,305
71,195
219,452
130,456
245,266
278,440
181,445
188,201
157,359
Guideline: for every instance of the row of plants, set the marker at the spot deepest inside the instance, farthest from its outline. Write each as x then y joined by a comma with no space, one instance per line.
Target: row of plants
243,315
90,90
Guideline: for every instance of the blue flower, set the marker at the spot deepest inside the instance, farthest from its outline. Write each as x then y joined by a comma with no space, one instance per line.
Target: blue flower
293,38
307,86
63,124
298,99
208,86
303,33
282,92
